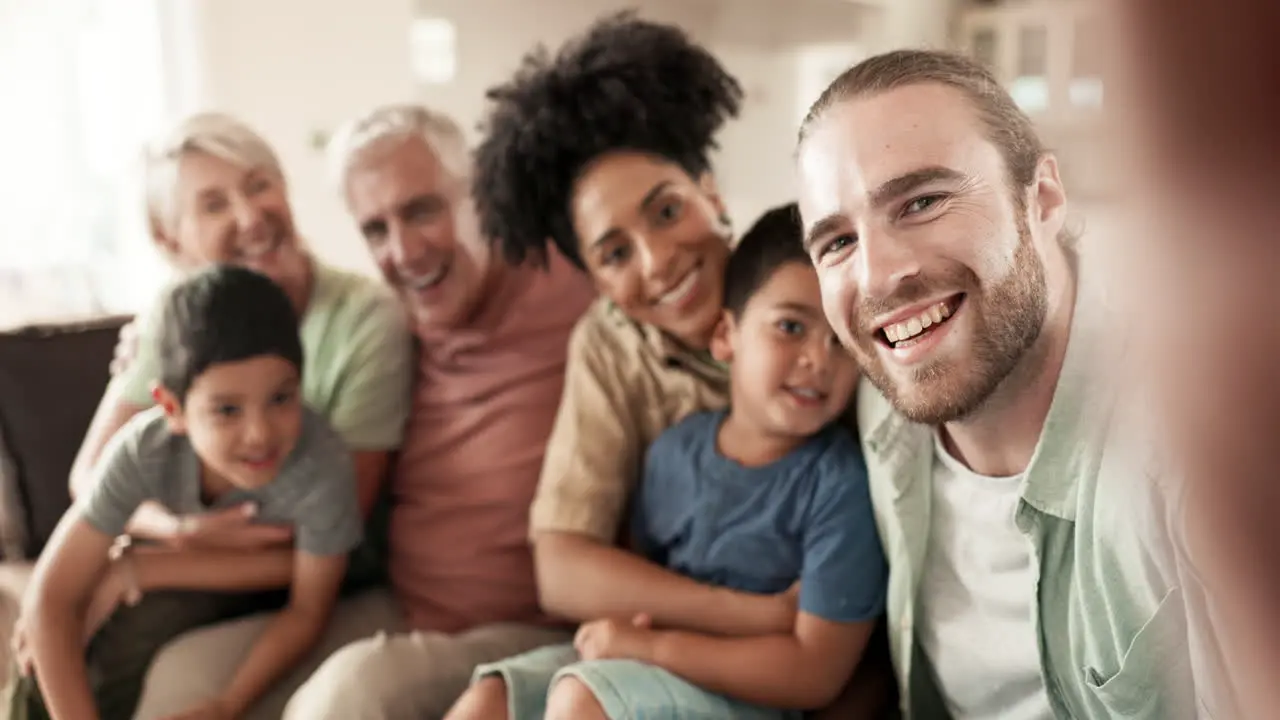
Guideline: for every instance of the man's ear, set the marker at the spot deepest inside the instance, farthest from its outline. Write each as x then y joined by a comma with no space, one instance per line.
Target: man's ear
172,408
722,338
1049,197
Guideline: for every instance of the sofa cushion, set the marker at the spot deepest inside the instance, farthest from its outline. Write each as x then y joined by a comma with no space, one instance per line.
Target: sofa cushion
51,379
13,521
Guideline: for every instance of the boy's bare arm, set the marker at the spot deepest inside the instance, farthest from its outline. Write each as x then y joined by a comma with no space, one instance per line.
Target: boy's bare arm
291,633
872,692
804,670
53,614
582,579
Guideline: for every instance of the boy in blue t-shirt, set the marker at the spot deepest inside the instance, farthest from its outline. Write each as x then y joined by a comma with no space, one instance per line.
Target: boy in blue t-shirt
770,493
229,429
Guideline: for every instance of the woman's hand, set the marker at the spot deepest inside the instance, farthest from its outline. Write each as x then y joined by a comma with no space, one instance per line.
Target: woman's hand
231,528
126,348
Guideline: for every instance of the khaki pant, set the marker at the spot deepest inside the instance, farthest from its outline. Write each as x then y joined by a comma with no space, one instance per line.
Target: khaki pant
367,665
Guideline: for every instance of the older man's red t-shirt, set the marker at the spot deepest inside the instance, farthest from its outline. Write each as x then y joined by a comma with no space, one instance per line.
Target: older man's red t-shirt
485,400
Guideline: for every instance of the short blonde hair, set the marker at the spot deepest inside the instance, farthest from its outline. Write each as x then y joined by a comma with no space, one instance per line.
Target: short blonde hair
399,121
216,134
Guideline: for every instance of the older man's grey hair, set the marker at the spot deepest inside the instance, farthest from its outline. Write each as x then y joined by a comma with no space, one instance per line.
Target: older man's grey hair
386,125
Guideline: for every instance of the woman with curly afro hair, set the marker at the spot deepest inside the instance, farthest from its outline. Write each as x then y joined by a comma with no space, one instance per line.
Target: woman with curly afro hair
600,152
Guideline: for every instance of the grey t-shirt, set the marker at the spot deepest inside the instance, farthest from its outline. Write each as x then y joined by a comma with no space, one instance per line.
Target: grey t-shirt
315,490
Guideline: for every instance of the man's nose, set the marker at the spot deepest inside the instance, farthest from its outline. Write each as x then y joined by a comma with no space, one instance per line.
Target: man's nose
406,249
886,261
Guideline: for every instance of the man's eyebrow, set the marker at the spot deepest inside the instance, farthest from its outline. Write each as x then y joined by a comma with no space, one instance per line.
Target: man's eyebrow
372,225
825,226
891,190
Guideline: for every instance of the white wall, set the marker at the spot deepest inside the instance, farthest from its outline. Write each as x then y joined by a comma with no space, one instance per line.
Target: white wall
292,68
296,68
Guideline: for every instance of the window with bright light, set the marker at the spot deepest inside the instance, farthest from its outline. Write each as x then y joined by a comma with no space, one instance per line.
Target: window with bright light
83,88
818,66
1030,86
433,43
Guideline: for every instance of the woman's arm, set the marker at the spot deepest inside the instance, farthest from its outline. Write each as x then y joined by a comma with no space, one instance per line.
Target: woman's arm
112,414
65,576
291,633
371,471
581,579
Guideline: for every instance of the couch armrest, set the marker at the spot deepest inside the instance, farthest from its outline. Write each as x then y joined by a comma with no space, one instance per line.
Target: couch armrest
14,578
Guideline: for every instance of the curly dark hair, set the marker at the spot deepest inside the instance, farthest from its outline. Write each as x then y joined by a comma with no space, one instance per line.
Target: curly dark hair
625,84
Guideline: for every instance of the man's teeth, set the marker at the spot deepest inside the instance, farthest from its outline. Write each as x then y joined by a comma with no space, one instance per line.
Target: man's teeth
261,249
908,329
422,282
680,291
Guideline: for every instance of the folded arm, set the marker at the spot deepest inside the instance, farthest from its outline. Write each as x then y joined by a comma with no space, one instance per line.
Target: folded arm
803,670
581,578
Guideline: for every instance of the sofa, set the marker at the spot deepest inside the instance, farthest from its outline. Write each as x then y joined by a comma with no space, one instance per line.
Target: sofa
51,378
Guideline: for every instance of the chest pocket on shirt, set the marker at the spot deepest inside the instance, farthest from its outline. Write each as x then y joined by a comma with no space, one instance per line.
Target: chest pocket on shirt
1155,658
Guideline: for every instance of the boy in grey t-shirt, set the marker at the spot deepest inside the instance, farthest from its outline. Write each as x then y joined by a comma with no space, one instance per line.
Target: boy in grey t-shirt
229,428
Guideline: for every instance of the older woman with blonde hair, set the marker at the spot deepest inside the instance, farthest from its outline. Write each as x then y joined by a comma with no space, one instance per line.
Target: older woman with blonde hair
216,193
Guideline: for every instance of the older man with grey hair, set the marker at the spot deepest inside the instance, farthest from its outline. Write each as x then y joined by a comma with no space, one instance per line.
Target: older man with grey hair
488,383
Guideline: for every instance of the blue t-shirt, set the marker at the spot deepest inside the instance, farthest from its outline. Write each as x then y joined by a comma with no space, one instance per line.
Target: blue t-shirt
807,516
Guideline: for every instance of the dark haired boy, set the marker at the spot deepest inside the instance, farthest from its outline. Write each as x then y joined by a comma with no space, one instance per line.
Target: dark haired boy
768,494
228,429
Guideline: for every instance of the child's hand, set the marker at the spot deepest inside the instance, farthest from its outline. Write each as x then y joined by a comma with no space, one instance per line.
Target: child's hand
615,639
231,528
126,349
210,710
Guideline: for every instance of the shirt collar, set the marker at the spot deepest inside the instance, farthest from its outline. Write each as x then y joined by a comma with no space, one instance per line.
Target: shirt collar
671,352
1077,416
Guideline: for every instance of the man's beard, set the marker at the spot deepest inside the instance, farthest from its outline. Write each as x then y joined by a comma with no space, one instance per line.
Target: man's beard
1007,319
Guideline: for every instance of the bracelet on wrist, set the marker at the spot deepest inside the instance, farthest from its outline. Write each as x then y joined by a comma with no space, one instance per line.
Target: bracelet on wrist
122,558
